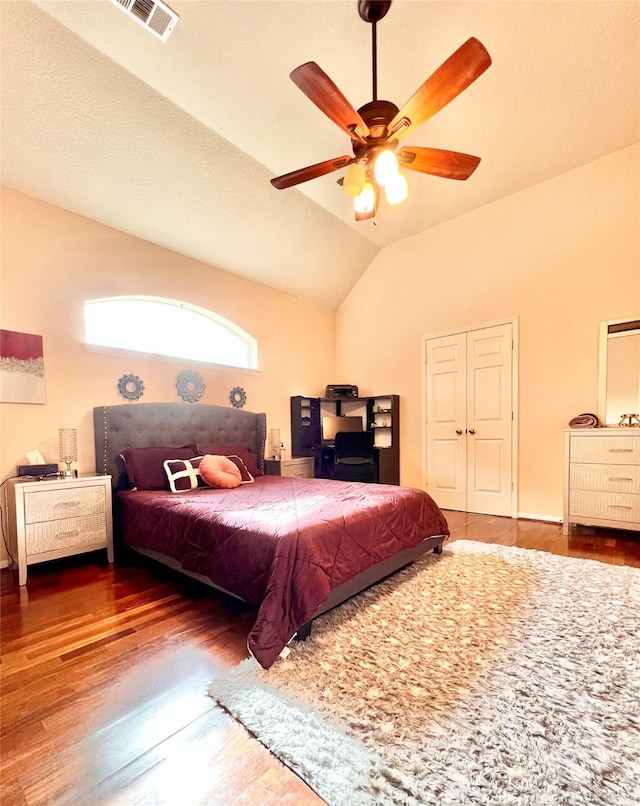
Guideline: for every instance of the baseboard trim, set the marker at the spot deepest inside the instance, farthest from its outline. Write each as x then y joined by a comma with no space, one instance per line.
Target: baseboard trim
4,563
525,516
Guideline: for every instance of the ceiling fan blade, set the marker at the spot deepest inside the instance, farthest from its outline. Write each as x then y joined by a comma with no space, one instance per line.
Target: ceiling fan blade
311,172
435,161
321,90
453,76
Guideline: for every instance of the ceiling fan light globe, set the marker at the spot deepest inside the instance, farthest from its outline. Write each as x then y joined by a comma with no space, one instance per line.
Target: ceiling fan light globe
365,201
397,190
385,168
354,180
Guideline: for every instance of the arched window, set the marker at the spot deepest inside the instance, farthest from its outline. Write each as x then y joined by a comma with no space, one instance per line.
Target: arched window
169,328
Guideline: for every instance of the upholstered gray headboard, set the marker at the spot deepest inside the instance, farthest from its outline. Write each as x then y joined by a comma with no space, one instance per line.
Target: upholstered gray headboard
140,425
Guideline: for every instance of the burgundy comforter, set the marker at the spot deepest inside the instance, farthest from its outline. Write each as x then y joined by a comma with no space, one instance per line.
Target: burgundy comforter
281,543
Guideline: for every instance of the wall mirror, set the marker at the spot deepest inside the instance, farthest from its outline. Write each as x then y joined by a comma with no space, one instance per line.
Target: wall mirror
619,371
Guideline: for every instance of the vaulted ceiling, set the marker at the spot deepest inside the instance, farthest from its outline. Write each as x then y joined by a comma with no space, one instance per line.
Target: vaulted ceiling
176,142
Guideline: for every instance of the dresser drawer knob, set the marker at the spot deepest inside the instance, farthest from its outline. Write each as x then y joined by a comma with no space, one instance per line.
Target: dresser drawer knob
67,504
73,533
620,478
620,450
619,506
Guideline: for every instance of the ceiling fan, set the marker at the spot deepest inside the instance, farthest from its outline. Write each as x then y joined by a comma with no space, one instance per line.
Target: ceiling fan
377,127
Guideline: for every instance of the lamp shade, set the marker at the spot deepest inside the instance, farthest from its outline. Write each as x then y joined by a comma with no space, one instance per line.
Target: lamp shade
397,190
365,202
68,447
386,168
274,441
354,180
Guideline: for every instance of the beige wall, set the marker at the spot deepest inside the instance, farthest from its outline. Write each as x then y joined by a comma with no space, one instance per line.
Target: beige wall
53,260
561,256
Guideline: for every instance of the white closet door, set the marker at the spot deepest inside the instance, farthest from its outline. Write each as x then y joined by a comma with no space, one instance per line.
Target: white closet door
446,417
489,420
469,420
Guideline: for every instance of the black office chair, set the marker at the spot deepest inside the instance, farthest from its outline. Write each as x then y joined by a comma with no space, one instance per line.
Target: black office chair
355,457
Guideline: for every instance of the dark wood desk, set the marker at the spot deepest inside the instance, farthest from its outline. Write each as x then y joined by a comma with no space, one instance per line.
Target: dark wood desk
379,413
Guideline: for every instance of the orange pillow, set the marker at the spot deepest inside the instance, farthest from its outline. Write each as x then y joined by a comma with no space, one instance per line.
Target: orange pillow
218,471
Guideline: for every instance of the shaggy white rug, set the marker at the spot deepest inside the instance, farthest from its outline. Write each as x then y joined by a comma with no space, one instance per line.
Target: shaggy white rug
486,675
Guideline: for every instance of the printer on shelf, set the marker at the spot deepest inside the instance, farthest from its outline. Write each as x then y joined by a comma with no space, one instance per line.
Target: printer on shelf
339,390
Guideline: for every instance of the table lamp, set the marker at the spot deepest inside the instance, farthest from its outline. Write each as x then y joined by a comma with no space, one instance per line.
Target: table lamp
68,441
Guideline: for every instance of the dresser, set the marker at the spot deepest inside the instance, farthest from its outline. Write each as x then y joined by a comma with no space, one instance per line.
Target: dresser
300,466
55,518
602,478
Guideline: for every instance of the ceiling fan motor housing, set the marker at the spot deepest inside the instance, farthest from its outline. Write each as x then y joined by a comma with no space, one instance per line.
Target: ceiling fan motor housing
377,115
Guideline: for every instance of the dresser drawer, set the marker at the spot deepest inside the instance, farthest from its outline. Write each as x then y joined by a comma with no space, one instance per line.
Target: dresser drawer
48,505
605,506
66,533
617,450
605,478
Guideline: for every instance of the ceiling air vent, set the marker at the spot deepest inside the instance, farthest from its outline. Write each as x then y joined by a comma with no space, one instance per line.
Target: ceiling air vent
153,15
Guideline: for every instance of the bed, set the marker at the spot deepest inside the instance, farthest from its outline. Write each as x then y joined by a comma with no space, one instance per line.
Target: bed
292,547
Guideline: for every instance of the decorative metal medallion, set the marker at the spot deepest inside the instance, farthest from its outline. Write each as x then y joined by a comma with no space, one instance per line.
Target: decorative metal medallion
190,386
237,397
131,387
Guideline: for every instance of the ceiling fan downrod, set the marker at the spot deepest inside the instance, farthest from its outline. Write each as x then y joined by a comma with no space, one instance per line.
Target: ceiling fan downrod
373,11
374,62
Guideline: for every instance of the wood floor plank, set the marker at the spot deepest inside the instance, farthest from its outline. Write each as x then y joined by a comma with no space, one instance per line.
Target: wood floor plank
104,673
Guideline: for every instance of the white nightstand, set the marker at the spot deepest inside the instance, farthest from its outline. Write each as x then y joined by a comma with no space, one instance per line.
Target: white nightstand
300,466
57,517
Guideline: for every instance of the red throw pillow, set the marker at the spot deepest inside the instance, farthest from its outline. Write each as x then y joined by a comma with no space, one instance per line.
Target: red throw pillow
242,451
219,471
145,466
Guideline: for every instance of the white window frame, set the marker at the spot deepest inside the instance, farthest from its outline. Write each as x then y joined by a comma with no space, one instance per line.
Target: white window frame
245,339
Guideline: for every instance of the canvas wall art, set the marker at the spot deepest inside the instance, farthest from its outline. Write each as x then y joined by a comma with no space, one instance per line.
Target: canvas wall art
21,368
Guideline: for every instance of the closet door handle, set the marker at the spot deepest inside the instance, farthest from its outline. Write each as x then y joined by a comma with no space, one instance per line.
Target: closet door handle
471,430
458,431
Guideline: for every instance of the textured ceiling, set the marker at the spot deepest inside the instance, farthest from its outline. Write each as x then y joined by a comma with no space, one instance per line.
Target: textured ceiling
176,142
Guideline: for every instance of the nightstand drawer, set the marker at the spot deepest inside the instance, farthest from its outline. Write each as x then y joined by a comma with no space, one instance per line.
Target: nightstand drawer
65,533
47,505
303,471
297,467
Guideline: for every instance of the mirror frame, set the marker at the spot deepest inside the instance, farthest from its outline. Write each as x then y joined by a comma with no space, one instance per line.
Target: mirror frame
633,326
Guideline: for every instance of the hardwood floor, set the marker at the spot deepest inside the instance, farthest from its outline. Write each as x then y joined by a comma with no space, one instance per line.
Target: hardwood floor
104,671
